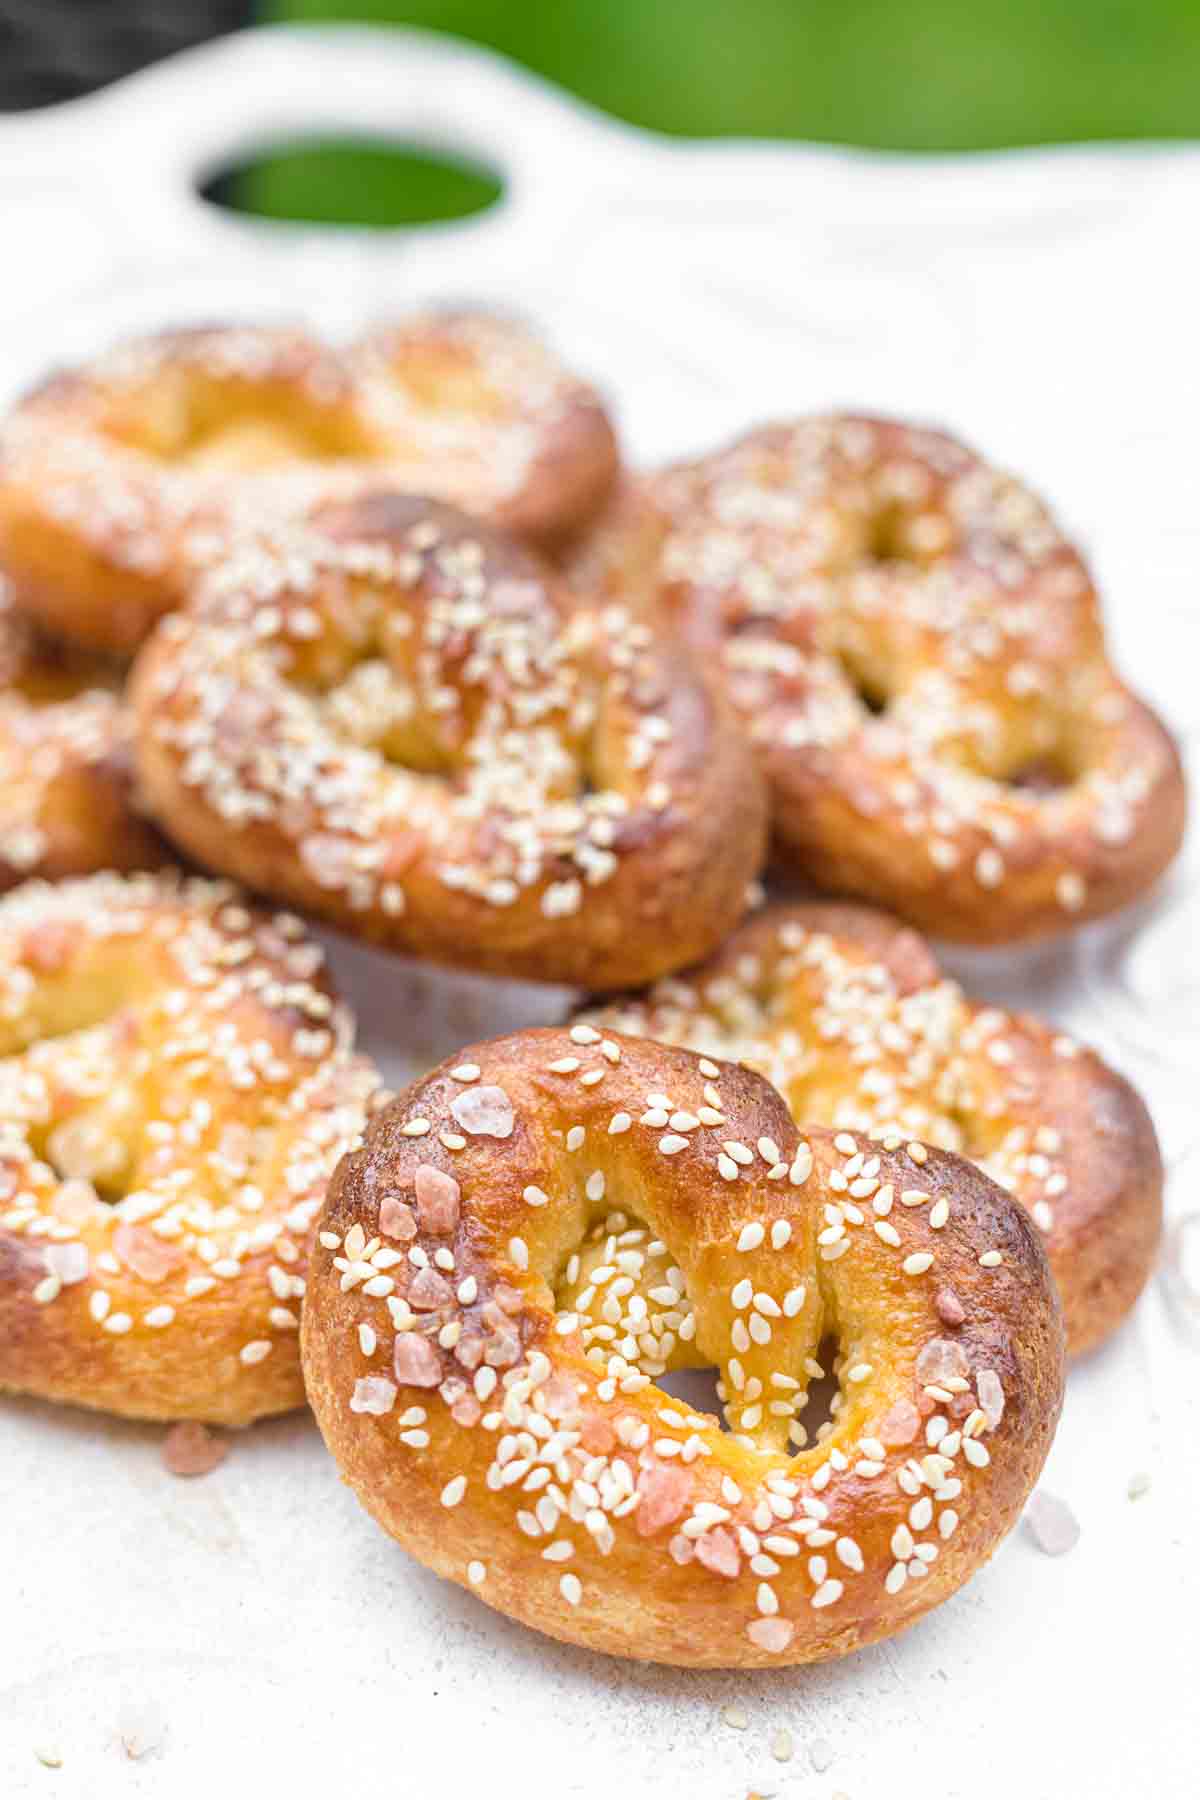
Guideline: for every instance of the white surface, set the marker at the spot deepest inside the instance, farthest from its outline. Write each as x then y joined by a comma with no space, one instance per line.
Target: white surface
254,1626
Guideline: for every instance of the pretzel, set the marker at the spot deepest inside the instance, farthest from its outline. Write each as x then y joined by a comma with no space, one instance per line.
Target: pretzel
66,762
399,720
848,1014
533,1233
177,1086
121,479
919,655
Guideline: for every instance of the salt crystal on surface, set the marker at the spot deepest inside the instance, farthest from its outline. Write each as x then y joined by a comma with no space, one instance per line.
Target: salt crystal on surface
484,1112
820,1754
373,1394
190,1448
141,1728
1052,1524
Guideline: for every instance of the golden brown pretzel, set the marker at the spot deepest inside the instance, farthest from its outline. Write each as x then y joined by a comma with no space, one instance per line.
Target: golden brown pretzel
67,804
508,1444
920,658
400,720
121,478
176,1086
850,1017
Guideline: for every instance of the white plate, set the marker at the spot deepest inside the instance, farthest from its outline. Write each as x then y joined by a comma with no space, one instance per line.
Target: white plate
256,1627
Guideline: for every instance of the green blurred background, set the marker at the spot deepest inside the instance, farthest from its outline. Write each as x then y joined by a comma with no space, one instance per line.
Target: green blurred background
924,75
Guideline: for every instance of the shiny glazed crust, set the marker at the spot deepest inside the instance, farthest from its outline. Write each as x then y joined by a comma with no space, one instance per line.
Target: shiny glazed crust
513,1448
920,659
401,721
122,479
850,1017
176,1086
67,803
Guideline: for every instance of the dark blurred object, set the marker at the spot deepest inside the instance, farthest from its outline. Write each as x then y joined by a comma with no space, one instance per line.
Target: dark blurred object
55,49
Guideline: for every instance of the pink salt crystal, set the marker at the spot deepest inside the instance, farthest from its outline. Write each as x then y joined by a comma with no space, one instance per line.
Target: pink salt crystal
502,1351
949,1308
416,1362
46,947
900,1425
438,1197
718,1551
1052,1525
428,1290
663,1494
991,1395
148,1256
484,1112
70,1262
191,1449
396,1220
681,1549
75,1202
941,1360
373,1394
773,1635
597,1436
466,1411
560,1397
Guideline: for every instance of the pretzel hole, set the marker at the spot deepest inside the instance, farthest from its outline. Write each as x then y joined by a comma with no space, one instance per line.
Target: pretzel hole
699,1390
1045,774
868,683
53,676
817,1417
900,533
85,1148
236,425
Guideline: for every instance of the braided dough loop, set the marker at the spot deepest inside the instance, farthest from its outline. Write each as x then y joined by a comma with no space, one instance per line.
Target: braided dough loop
848,1014
66,762
401,721
122,479
480,1430
177,1086
920,658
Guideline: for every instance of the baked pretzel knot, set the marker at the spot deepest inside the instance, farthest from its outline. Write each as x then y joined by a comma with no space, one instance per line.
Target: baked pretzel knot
401,721
919,655
177,1085
66,762
530,1236
848,1014
121,478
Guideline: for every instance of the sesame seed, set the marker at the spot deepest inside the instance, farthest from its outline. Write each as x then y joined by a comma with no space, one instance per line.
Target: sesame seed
918,1263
